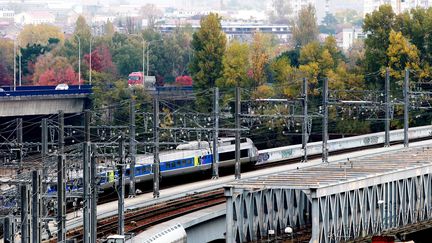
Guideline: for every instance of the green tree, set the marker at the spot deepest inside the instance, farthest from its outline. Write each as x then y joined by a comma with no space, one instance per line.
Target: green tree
378,25
177,51
329,24
208,45
235,66
127,58
304,28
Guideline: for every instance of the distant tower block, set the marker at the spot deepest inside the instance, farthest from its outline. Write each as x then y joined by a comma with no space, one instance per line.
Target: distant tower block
327,7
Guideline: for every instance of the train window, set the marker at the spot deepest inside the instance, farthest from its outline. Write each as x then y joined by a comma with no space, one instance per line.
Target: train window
183,163
227,156
178,162
244,153
127,172
242,140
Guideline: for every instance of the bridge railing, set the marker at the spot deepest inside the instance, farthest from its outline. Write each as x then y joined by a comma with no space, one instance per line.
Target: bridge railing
45,90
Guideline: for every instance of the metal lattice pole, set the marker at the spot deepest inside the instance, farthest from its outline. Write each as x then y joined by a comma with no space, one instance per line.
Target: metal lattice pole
387,108
120,187
406,107
237,134
156,162
86,178
132,149
305,132
215,133
325,122
61,195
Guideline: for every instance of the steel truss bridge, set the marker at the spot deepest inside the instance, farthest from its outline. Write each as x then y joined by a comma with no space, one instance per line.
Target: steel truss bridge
339,201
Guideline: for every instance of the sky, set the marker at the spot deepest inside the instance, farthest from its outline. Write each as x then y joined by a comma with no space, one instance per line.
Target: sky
320,4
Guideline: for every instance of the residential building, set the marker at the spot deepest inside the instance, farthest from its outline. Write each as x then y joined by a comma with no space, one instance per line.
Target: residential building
241,32
35,17
7,14
350,35
399,6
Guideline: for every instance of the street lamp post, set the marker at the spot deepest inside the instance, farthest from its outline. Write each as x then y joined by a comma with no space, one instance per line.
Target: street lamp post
14,67
19,63
143,60
90,61
79,61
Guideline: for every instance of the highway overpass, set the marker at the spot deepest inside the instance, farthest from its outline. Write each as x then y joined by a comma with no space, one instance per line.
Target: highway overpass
43,100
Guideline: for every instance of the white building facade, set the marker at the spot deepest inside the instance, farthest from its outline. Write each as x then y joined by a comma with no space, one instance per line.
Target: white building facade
34,17
399,6
350,35
7,14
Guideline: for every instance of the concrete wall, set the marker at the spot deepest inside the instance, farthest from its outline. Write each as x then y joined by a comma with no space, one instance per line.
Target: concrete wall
210,230
28,106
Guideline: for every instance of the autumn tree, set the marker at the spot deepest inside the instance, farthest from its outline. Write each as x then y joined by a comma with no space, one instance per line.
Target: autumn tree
101,60
6,62
208,46
304,28
50,70
402,54
260,54
235,66
39,34
285,77
29,55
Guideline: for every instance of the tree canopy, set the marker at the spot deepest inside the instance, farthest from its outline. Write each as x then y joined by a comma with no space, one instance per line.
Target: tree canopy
304,28
208,46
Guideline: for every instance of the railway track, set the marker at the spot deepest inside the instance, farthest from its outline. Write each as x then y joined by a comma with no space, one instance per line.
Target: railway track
138,220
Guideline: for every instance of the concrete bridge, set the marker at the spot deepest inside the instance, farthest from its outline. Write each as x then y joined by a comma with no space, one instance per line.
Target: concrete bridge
43,100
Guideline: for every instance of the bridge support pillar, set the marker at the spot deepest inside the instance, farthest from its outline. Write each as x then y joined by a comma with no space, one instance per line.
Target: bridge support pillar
315,221
229,217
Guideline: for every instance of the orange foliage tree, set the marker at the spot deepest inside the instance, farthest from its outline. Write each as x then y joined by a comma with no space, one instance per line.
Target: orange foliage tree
51,70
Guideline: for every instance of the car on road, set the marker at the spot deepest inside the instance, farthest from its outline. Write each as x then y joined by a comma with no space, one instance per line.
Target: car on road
62,87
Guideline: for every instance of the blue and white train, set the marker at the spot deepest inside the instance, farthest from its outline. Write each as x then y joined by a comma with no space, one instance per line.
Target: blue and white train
187,158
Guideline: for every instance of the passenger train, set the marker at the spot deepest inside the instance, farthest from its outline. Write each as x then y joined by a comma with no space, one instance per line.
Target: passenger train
192,157
187,158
